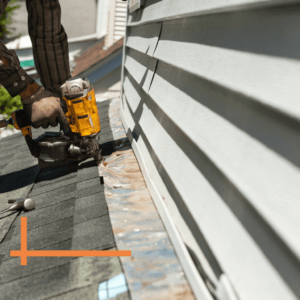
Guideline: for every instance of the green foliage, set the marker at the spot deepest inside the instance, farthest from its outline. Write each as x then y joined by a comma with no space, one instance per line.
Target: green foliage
5,18
9,104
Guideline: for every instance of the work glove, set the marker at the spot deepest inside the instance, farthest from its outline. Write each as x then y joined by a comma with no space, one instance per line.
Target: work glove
44,109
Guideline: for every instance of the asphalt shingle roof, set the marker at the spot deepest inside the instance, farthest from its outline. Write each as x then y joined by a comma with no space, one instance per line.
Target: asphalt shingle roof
71,214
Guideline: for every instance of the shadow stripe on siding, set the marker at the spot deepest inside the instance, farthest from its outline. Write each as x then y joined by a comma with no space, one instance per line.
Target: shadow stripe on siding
144,38
141,66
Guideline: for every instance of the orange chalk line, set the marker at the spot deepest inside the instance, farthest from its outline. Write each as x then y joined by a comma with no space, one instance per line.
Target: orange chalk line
24,253
23,241
69,253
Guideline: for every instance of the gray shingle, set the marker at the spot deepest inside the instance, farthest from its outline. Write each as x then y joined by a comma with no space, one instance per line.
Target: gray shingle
37,286
96,233
107,137
43,216
103,105
90,212
51,187
58,179
90,201
5,223
15,180
104,126
87,168
43,200
86,175
49,176
90,190
10,233
19,152
12,269
105,130
12,186
19,165
62,245
41,237
1,258
89,270
48,232
56,193
88,292
89,183
104,120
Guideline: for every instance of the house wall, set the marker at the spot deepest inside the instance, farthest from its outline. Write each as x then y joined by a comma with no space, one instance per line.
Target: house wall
102,20
211,98
116,21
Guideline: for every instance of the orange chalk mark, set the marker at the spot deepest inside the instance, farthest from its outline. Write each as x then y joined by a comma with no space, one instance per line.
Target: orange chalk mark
24,253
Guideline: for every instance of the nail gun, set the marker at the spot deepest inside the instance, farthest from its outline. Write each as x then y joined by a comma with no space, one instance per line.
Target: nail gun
58,148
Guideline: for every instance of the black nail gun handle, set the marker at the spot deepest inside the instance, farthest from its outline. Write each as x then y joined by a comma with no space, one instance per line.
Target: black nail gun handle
20,121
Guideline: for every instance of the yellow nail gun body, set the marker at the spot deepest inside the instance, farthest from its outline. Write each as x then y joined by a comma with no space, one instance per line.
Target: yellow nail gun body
78,143
55,149
82,113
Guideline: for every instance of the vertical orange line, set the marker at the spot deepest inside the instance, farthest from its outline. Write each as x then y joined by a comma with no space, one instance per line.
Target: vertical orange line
23,241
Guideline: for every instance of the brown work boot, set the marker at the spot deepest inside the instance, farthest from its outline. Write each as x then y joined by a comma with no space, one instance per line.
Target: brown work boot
44,109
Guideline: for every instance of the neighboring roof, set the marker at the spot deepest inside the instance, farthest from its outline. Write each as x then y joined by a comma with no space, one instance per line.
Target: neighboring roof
94,55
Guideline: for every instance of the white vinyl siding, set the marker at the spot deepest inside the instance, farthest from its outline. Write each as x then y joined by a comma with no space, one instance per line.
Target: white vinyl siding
211,93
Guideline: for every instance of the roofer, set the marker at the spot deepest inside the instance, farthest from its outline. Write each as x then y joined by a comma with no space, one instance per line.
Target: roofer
51,56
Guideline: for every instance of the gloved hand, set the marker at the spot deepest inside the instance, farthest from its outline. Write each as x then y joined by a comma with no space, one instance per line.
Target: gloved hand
44,109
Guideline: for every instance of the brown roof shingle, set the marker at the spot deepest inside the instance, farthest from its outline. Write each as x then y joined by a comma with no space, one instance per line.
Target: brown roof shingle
94,55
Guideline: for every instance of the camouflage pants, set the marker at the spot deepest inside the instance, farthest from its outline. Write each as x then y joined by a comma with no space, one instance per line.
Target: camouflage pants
50,49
